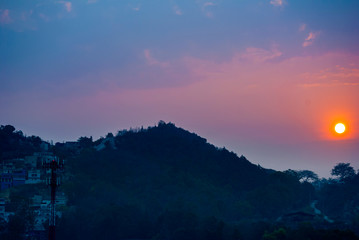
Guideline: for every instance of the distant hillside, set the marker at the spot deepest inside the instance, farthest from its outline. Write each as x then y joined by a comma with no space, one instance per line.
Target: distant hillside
159,180
13,144
166,183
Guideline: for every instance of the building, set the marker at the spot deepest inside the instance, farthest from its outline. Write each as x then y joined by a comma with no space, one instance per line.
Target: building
8,167
19,177
36,201
33,176
44,157
12,178
61,199
6,181
3,213
45,204
2,207
44,146
31,161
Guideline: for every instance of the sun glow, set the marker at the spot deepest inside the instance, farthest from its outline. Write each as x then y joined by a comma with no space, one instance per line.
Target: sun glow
339,128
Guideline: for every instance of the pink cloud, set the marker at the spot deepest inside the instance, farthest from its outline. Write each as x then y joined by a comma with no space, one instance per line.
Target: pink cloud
152,61
311,36
206,4
5,16
18,20
302,27
67,5
307,44
260,55
177,10
310,39
333,76
277,2
136,8
206,9
44,17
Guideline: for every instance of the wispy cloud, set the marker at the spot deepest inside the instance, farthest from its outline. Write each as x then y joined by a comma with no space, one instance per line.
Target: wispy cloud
206,8
44,17
206,4
67,5
260,55
5,16
152,61
91,1
311,36
310,39
302,27
135,7
177,10
277,3
334,76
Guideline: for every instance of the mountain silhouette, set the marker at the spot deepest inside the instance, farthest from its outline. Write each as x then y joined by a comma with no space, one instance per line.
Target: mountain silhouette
164,182
165,178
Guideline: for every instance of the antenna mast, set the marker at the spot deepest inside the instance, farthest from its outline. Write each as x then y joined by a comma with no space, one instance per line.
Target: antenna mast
53,182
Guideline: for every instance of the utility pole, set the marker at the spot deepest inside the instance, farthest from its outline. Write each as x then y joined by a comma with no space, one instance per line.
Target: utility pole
54,165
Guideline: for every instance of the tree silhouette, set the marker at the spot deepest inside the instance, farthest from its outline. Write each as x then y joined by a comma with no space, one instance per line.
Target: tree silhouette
343,171
303,175
307,176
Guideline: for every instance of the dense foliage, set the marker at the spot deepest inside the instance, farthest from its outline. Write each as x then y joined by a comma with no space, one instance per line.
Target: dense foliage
13,144
340,201
167,183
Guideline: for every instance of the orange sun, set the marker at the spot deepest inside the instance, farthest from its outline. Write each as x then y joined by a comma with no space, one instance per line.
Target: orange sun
339,128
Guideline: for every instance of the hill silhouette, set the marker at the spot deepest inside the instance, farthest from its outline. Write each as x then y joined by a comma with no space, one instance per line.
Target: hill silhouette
164,182
160,180
13,144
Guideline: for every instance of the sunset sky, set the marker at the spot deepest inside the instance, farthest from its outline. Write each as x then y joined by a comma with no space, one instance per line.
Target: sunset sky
267,79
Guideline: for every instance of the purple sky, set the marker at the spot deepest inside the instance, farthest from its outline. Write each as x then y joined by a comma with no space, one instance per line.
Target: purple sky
267,79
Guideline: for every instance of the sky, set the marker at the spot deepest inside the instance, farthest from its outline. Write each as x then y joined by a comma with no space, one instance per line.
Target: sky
264,78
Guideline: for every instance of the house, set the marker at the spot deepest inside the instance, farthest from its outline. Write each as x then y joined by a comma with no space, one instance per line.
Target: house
72,145
45,204
3,213
36,201
61,199
31,161
18,162
6,180
44,146
12,178
2,206
33,176
46,157
8,167
19,177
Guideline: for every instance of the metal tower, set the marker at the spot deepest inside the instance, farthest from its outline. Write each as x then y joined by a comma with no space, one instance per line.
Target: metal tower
54,165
